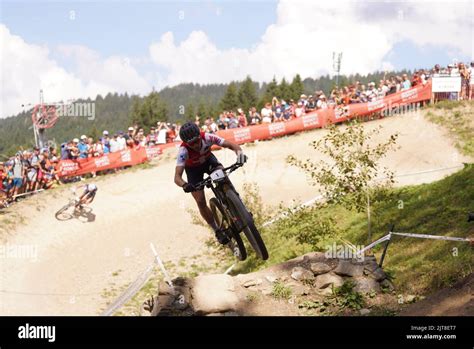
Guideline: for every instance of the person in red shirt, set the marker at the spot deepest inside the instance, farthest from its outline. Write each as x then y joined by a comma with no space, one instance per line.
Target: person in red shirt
171,134
242,118
195,157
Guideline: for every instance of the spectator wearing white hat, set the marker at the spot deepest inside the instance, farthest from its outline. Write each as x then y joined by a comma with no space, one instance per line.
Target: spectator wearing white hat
241,118
83,147
105,142
299,110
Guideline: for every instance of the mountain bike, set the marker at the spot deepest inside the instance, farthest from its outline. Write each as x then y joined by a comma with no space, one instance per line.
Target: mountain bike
65,212
231,215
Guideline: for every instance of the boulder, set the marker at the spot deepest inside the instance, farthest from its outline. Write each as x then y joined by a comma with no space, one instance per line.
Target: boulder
326,280
387,285
378,274
214,294
251,282
346,268
365,285
319,268
302,274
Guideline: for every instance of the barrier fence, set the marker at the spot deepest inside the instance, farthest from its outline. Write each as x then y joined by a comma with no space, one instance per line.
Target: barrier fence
311,120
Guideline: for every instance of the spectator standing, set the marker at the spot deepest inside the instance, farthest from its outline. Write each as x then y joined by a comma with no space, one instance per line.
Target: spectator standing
105,142
254,117
242,119
114,144
299,110
171,134
83,147
471,81
122,141
162,131
267,113
406,84
233,121
18,170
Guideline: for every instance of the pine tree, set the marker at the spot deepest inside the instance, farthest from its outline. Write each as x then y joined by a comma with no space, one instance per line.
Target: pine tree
189,112
230,100
247,94
296,87
284,90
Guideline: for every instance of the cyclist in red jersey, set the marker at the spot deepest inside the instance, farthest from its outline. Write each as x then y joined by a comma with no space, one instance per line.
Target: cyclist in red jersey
195,158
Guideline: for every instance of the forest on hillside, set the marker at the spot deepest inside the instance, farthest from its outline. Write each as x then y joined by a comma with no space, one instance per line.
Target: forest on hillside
115,112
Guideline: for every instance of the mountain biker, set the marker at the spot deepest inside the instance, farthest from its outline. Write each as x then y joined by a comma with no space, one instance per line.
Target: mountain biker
195,158
88,196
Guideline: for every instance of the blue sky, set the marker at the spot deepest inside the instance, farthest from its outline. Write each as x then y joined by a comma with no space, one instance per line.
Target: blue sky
118,27
132,46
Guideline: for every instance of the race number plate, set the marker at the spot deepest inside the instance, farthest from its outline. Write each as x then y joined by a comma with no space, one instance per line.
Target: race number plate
217,175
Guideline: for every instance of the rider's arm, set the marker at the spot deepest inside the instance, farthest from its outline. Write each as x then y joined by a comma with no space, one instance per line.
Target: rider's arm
232,146
178,176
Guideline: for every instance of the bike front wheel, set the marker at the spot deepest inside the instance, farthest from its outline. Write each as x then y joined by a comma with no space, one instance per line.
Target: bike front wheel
236,244
62,214
250,230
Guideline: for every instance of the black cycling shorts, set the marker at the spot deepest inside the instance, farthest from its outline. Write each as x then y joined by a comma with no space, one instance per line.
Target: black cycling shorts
90,194
196,174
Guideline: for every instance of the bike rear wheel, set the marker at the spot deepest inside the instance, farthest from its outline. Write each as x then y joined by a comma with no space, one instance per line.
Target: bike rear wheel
236,244
250,230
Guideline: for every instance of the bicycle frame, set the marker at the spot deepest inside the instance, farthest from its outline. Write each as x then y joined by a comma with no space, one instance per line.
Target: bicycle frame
219,188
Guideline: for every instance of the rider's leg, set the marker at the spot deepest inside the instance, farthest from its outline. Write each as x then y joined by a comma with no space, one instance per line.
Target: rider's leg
204,210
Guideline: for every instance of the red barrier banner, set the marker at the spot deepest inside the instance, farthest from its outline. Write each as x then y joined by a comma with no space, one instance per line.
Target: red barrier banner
311,120
127,157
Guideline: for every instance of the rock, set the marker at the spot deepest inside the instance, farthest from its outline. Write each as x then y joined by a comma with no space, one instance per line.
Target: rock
302,274
271,279
378,274
214,294
325,280
366,285
165,289
227,313
252,282
325,291
371,266
388,285
364,311
319,268
410,298
345,267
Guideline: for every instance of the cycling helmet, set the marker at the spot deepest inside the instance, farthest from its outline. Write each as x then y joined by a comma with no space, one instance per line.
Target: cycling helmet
91,187
189,132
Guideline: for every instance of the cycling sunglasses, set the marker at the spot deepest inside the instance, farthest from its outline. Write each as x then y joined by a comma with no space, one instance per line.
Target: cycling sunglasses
194,140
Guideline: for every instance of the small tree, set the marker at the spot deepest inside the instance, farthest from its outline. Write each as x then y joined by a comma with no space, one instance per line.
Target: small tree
230,100
353,175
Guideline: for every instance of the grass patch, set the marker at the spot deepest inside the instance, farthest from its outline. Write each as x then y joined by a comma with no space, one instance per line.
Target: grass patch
458,119
281,291
414,265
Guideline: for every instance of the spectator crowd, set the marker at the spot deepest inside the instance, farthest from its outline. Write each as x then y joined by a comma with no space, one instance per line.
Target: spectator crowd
36,169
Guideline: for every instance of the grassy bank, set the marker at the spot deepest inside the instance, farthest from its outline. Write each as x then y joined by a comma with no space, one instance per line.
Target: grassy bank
417,265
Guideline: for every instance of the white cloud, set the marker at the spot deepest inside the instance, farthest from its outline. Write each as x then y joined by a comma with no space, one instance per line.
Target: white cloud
307,32
300,41
27,68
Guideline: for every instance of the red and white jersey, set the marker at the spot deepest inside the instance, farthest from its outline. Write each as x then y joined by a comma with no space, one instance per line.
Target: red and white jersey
190,158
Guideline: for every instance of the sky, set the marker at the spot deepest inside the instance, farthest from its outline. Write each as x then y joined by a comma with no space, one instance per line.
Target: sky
81,49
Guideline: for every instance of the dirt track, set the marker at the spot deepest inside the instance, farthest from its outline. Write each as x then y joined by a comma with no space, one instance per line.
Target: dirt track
76,259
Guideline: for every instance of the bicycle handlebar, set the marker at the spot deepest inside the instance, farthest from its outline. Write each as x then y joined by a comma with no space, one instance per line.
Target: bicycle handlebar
228,169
